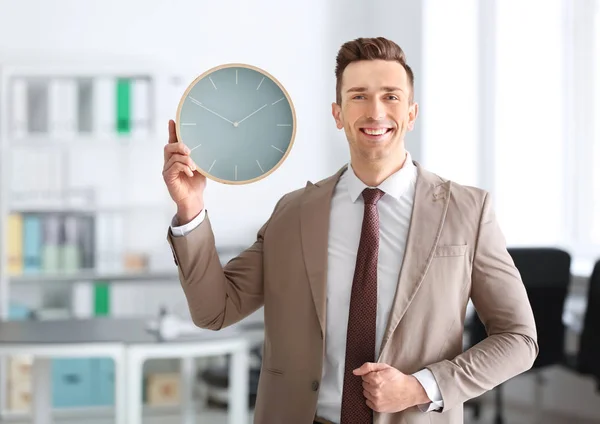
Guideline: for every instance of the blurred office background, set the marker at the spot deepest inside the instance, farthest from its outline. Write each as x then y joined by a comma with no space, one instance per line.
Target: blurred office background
509,95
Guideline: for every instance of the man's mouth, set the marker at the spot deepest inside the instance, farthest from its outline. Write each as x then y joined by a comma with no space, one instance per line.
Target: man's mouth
375,133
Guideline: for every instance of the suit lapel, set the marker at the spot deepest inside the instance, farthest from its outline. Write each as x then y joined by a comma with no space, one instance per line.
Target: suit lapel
432,196
314,228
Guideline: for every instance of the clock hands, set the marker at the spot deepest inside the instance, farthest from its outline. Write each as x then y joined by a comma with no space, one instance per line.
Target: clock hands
239,122
211,111
222,117
235,124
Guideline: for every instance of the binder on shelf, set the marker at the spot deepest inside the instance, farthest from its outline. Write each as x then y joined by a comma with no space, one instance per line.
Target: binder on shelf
32,239
37,106
70,253
53,236
123,108
63,108
19,108
104,107
140,108
15,244
101,298
82,299
85,105
86,239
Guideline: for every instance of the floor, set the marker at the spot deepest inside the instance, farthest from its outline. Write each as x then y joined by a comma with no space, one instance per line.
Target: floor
513,416
520,416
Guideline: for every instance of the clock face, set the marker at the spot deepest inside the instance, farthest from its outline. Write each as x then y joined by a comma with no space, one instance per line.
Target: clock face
238,122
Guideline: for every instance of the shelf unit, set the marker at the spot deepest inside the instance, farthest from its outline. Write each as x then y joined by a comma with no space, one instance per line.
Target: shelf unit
79,145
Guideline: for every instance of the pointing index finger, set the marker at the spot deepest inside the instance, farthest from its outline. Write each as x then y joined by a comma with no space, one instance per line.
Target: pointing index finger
172,132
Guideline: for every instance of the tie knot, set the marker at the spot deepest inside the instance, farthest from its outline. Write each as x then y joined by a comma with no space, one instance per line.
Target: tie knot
372,195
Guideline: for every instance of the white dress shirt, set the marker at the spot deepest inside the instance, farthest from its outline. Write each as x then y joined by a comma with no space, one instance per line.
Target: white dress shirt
347,209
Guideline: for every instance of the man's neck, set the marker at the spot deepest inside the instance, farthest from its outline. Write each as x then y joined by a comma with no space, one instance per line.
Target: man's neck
374,173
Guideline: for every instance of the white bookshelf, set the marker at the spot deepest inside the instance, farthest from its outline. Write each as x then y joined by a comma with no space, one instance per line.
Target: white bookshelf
83,139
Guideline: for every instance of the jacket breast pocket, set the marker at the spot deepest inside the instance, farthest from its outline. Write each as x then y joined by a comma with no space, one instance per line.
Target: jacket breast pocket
449,250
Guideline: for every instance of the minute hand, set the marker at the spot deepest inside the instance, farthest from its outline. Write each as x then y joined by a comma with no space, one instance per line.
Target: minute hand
262,107
213,112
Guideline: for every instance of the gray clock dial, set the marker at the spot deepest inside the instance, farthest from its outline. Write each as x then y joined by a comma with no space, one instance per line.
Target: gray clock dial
238,122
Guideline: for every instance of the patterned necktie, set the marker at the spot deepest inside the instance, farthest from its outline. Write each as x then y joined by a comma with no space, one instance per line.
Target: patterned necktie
362,318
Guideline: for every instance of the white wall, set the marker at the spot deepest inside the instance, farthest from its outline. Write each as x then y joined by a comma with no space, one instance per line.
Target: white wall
450,97
188,37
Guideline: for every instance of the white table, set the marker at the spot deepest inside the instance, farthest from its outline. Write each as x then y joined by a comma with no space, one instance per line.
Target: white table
45,340
129,344
41,372
237,346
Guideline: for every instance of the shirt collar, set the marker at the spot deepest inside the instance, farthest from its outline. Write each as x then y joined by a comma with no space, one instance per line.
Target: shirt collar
396,185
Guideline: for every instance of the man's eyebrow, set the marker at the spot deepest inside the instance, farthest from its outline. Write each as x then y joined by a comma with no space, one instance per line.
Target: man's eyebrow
363,89
391,88
356,90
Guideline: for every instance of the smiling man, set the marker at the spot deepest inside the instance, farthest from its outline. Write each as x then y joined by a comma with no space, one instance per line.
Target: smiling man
364,276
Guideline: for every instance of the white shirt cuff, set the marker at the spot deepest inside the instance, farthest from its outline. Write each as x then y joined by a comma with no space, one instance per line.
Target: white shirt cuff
432,389
183,230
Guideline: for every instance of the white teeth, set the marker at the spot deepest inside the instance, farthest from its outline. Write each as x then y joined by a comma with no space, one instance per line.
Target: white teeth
380,131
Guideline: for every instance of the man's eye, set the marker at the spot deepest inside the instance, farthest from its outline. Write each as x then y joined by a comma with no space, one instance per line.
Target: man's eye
392,97
359,97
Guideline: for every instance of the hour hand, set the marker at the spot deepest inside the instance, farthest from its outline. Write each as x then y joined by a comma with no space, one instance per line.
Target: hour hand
239,122
196,102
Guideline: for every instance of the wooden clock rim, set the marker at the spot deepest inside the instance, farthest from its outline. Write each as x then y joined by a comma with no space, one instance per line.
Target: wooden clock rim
266,74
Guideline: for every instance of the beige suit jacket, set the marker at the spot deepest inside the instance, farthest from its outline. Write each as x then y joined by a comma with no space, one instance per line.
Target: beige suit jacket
455,251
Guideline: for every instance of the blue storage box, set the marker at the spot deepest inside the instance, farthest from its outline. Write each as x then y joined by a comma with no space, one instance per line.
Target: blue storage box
72,382
103,381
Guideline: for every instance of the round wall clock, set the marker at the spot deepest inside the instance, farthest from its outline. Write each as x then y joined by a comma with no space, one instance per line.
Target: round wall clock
238,121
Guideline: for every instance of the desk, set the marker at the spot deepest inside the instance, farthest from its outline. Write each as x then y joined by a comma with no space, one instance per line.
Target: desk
209,344
128,343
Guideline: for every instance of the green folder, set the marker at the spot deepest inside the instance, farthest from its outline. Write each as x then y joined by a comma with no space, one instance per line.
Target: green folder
101,298
123,105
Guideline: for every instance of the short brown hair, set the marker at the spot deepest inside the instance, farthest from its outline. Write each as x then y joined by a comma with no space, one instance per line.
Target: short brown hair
370,49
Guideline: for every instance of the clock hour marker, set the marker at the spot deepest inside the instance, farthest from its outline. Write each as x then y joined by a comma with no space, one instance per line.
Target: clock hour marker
278,149
213,164
213,83
261,81
188,124
277,101
236,172
236,76
260,166
195,101
284,125
194,148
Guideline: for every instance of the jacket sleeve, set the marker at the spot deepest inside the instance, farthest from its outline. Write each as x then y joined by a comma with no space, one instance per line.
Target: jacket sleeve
502,304
218,296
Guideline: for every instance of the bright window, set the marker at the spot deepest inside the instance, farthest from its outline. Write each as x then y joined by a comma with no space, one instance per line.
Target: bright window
530,121
596,132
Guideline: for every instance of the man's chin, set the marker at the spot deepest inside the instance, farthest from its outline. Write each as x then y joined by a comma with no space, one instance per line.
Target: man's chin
376,151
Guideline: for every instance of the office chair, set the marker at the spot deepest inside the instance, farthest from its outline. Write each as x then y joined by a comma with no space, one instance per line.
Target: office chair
588,356
546,276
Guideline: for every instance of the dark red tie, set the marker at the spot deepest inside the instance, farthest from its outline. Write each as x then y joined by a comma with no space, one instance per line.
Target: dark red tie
362,318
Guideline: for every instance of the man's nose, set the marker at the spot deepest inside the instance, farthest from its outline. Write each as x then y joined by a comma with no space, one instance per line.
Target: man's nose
376,110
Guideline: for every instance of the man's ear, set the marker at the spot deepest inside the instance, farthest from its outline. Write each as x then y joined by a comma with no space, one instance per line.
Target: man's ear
413,111
336,111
